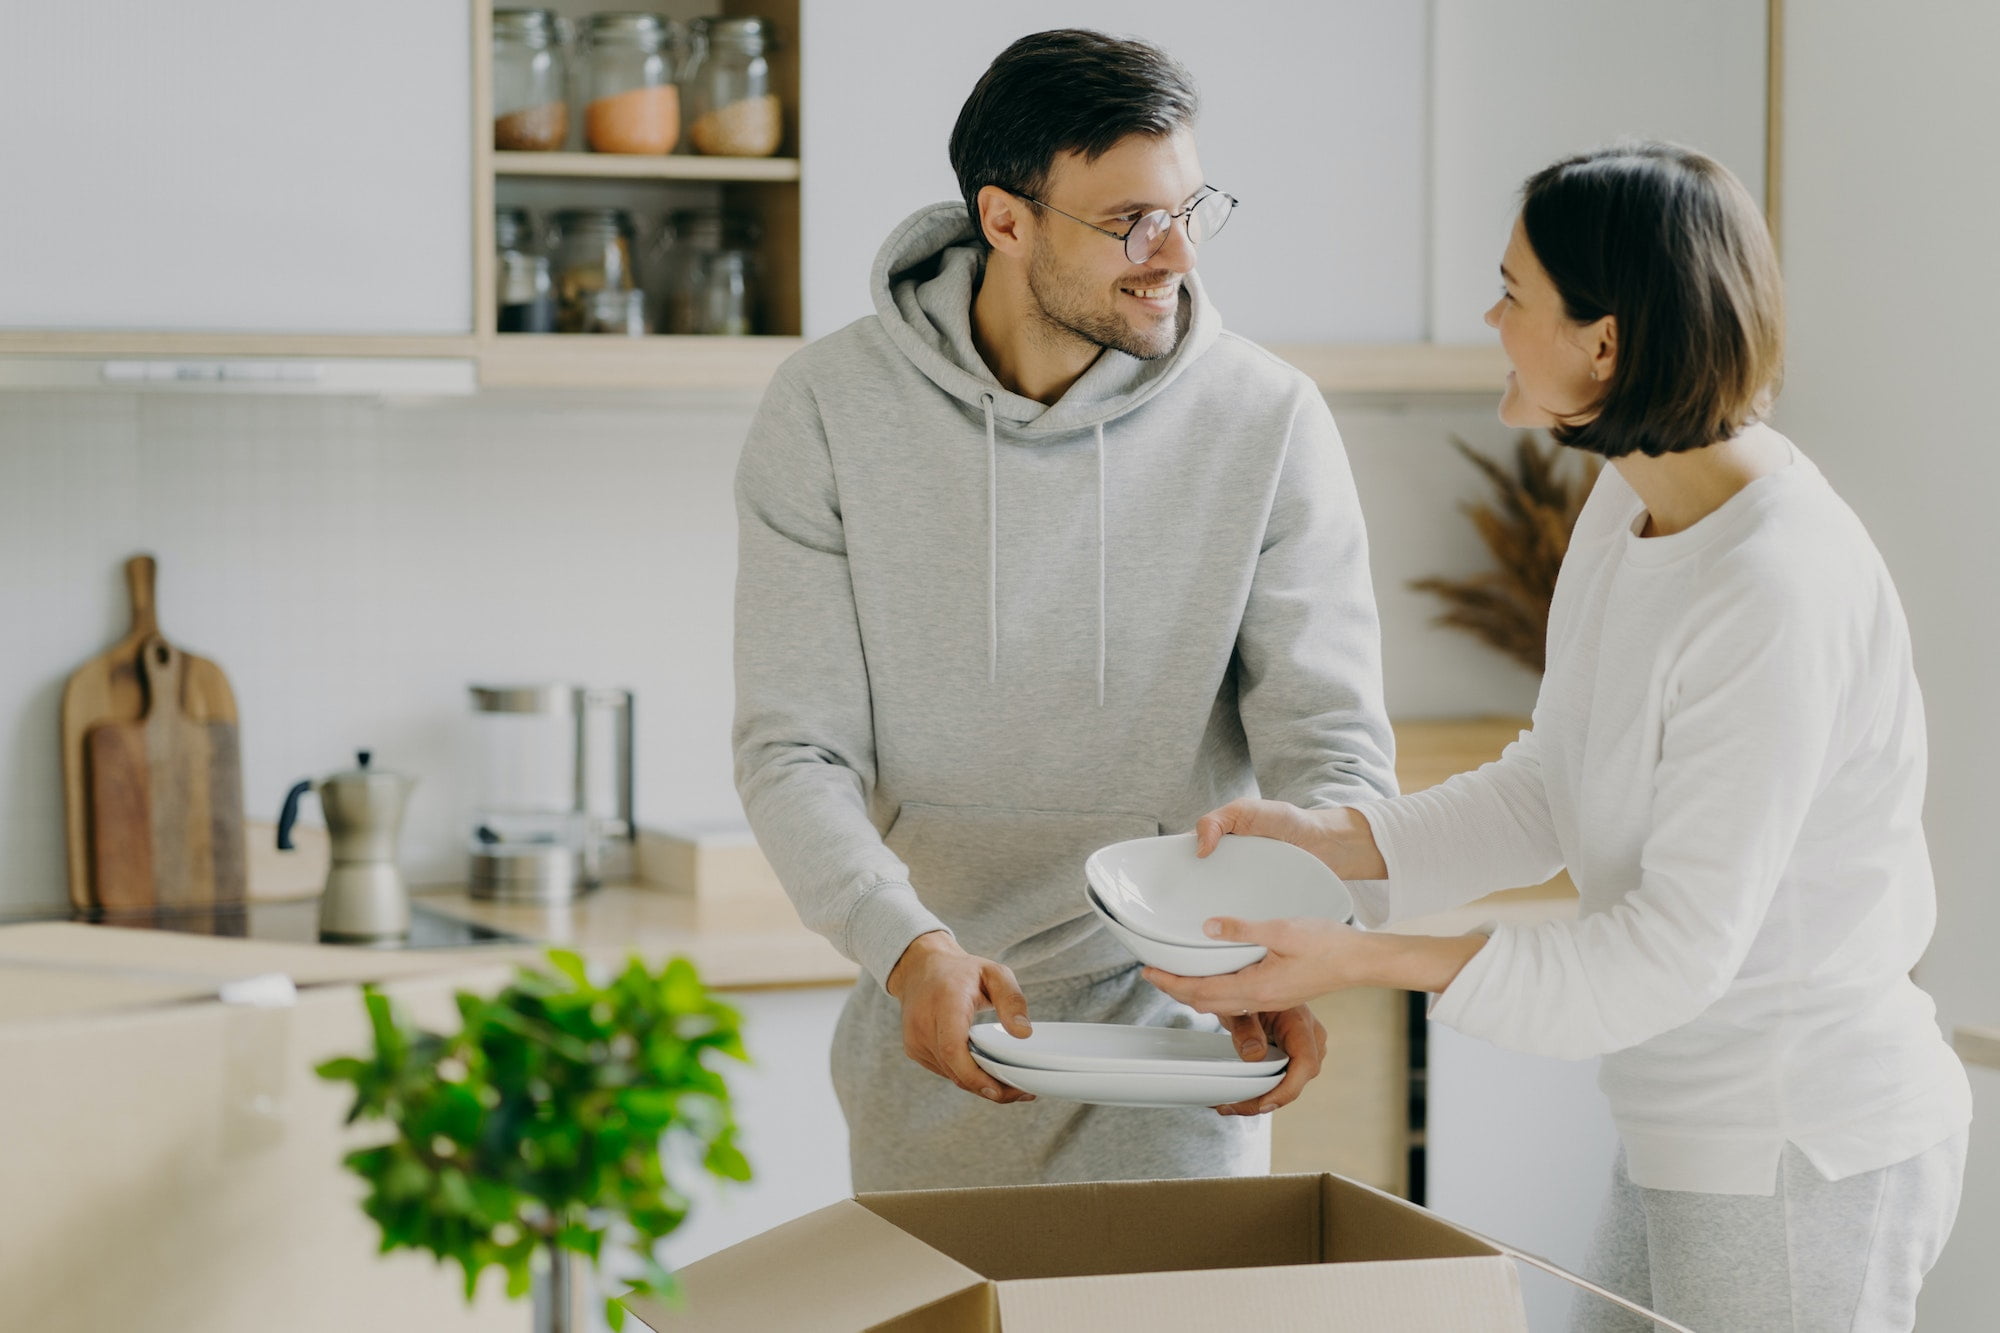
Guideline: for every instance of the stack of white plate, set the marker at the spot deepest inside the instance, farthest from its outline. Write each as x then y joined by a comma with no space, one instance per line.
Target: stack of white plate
1117,1065
1153,894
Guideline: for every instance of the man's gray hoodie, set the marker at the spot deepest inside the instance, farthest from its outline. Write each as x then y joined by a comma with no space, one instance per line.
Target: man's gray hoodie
978,637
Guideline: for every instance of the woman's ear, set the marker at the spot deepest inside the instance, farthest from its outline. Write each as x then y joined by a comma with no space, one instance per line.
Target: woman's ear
1001,218
1600,344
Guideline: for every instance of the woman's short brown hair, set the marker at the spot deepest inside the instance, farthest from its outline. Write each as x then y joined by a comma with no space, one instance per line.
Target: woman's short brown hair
1669,244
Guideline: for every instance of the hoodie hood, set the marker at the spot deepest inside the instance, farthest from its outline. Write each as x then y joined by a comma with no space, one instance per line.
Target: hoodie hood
923,283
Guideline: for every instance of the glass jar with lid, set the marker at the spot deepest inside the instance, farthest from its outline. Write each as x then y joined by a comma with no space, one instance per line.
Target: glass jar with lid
597,289
530,93
690,238
733,110
630,64
526,297
726,301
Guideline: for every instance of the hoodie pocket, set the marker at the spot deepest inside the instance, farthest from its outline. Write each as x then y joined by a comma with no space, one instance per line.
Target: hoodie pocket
1009,882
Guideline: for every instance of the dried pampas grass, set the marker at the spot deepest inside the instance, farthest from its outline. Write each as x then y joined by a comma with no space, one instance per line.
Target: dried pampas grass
1526,528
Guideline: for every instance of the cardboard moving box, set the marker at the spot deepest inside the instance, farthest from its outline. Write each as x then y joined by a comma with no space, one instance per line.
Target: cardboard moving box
1272,1253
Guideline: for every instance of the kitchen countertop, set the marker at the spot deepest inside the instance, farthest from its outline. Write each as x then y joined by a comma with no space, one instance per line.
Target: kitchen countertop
735,951
618,919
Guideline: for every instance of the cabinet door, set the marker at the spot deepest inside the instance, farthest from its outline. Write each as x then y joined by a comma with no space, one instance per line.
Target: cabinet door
1519,1147
238,166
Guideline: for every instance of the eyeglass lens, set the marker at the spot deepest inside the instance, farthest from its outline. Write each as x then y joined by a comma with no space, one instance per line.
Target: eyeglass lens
1204,220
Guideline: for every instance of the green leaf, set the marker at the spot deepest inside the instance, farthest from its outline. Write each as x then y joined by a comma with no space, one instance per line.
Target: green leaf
681,987
726,1160
390,1043
570,965
345,1069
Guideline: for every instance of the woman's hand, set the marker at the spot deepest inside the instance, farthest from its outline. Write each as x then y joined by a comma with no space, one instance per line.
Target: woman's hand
1338,836
1307,958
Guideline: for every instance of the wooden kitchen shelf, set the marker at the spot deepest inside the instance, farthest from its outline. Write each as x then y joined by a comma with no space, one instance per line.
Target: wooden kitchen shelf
1399,367
1978,1045
589,361
671,167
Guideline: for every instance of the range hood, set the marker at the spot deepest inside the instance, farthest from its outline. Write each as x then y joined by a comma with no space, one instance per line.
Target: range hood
361,375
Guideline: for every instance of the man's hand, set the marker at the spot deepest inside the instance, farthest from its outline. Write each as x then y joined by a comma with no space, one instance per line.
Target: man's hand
1298,1034
942,988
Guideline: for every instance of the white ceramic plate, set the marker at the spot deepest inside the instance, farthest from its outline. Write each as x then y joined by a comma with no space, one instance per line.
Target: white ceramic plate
1129,1089
1211,960
1104,1048
1160,888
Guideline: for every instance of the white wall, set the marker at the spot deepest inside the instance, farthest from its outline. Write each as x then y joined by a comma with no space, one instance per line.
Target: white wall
1890,196
1517,85
1313,114
354,565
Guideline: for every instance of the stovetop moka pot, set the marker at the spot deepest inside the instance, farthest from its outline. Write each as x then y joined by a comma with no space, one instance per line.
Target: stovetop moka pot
365,900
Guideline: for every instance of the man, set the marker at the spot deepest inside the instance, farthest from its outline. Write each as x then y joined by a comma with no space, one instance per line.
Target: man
1035,559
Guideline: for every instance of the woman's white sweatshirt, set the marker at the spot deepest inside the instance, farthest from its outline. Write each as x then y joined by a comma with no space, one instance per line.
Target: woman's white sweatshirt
1728,755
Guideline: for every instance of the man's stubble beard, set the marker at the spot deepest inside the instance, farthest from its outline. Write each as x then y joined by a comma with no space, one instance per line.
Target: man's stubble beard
1064,314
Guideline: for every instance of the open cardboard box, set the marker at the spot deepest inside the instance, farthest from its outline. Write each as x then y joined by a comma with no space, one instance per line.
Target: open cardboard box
1272,1253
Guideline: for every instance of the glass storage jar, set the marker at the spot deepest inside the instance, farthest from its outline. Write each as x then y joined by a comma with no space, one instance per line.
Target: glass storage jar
726,304
530,96
597,289
733,111
630,64
688,239
526,297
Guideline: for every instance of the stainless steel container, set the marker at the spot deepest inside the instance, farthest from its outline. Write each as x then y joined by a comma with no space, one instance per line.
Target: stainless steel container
555,815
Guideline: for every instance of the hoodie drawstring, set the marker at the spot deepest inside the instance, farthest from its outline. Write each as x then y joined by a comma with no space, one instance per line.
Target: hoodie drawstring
1100,564
992,545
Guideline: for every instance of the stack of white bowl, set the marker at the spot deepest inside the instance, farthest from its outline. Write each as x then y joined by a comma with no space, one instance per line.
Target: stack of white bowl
1114,1064
1154,894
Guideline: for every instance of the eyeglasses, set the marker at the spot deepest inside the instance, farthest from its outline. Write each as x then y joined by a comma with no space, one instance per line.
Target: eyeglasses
1206,216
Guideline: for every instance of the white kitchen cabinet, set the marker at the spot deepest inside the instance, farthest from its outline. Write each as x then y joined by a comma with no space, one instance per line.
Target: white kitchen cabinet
238,166
792,1129
1519,1147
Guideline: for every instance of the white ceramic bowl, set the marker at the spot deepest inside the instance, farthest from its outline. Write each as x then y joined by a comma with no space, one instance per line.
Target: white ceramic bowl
1120,1089
1208,960
1161,889
1104,1048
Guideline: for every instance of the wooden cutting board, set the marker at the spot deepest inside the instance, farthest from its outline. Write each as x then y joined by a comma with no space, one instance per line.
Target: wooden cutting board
166,803
112,688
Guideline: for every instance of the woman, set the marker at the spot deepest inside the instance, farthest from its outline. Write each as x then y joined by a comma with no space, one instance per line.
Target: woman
1727,754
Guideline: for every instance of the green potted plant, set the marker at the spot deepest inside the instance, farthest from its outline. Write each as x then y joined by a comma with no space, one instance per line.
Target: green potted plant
534,1133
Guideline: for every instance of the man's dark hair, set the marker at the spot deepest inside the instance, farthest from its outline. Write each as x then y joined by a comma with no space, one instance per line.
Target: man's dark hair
1067,90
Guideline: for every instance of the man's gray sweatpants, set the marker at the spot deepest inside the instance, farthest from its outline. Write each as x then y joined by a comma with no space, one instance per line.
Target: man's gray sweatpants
1817,1256
907,1128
